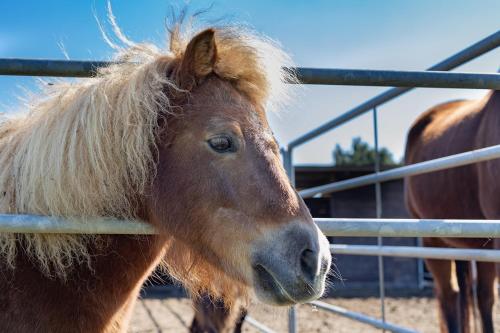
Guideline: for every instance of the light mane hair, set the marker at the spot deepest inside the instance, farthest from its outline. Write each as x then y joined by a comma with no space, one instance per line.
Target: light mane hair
87,148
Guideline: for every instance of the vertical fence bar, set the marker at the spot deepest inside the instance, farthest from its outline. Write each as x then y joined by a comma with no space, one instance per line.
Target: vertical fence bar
378,202
292,319
288,165
420,267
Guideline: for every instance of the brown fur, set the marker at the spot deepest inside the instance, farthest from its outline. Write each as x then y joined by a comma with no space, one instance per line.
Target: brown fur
133,143
468,192
215,316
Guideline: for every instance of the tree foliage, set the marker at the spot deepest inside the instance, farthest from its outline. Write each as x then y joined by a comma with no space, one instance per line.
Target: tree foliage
361,153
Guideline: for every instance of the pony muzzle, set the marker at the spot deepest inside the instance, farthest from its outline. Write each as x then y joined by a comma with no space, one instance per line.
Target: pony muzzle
290,266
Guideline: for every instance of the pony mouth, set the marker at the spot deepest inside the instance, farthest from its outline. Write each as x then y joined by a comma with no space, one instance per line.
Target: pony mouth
269,289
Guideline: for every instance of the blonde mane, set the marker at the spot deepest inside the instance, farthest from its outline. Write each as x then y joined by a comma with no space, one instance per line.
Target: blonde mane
86,148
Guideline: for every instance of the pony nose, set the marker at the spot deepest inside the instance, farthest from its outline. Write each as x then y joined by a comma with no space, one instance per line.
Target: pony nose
291,265
309,264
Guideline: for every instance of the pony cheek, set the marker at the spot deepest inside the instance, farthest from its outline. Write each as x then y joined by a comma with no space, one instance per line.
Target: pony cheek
240,232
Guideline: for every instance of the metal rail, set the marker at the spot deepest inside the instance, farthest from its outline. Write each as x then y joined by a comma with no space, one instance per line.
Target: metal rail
13,223
451,161
328,76
409,228
47,67
259,326
415,79
418,252
360,317
483,46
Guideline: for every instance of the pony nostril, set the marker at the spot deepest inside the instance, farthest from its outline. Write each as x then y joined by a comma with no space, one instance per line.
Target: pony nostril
309,264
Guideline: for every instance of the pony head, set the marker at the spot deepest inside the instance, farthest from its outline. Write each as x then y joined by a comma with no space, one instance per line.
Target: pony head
220,189
179,139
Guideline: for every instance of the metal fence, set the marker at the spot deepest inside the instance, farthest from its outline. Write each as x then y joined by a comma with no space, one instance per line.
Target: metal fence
398,228
378,227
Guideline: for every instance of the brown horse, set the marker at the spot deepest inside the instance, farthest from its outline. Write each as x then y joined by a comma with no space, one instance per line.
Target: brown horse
178,139
468,192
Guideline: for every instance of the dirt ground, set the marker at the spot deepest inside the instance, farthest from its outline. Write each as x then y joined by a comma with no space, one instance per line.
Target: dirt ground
175,314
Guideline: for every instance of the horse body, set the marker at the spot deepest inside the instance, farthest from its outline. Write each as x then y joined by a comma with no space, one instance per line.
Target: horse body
468,192
180,141
96,299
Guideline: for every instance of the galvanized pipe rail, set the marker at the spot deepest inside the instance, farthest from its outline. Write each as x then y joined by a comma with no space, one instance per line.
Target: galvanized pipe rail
258,325
49,67
14,223
330,76
23,223
483,46
348,227
391,78
417,252
451,161
360,317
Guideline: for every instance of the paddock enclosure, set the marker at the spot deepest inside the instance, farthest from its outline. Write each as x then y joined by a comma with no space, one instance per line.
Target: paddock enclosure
435,77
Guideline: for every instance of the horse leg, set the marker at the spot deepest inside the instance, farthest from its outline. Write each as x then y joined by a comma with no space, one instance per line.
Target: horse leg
241,320
210,315
447,294
214,316
446,289
464,279
486,294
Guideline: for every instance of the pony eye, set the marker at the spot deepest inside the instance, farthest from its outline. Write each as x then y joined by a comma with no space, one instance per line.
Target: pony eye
222,144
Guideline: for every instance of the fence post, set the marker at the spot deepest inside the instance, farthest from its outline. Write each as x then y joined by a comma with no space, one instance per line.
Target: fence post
378,202
288,165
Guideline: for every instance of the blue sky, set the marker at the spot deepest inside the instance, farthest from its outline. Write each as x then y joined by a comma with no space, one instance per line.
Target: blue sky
389,34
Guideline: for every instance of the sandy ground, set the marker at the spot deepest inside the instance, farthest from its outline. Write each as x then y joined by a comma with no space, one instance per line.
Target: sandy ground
175,314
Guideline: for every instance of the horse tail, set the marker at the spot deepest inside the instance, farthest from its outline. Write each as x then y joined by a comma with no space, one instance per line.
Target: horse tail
464,279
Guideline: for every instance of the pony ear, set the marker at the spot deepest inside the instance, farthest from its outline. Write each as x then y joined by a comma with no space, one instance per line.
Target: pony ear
198,60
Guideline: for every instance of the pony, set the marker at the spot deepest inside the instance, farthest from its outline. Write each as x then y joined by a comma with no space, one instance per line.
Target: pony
178,139
467,192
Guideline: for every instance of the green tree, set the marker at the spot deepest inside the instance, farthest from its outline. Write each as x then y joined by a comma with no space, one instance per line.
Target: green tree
361,153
